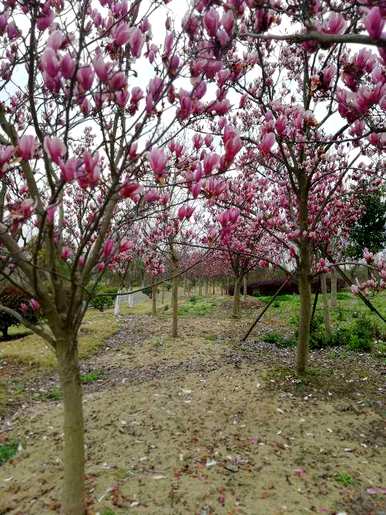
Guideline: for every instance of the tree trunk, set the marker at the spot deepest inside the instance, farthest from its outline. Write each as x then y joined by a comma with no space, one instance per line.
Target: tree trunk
153,299
326,309
305,310
200,288
206,287
245,286
73,501
174,299
5,332
162,294
334,288
304,274
236,299
214,288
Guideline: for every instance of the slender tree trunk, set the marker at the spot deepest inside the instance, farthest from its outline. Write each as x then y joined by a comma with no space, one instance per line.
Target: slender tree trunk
245,286
73,501
206,287
326,308
214,288
304,273
162,294
153,299
334,287
174,299
236,298
200,288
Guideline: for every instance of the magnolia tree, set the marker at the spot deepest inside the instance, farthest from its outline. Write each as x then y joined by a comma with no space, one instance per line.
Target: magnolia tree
160,237
306,98
91,96
87,93
242,238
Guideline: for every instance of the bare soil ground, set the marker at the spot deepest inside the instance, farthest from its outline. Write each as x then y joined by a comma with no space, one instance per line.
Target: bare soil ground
205,425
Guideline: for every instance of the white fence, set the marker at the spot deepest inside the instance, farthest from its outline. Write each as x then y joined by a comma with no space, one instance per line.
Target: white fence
128,299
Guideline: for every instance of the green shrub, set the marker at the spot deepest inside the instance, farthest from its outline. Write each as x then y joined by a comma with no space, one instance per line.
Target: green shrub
8,451
104,298
272,338
363,333
358,336
279,340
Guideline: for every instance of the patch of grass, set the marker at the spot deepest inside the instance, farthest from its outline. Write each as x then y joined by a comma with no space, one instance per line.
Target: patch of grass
286,297
197,306
7,451
344,479
91,377
55,394
34,351
279,340
107,511
342,295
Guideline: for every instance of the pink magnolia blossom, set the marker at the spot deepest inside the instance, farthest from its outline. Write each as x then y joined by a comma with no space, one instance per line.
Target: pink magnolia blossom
195,189
26,147
118,81
136,41
108,248
374,22
69,169
185,212
233,147
56,40
49,62
24,308
211,161
35,306
158,160
66,253
89,172
129,189
151,196
121,34
267,142
212,21
85,77
335,24
45,21
67,66
100,267
102,68
228,21
125,246
55,148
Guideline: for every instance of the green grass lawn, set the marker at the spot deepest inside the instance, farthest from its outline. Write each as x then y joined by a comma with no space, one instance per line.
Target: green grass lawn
34,351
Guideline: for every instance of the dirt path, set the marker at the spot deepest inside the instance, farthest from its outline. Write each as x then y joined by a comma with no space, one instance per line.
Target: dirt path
202,425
